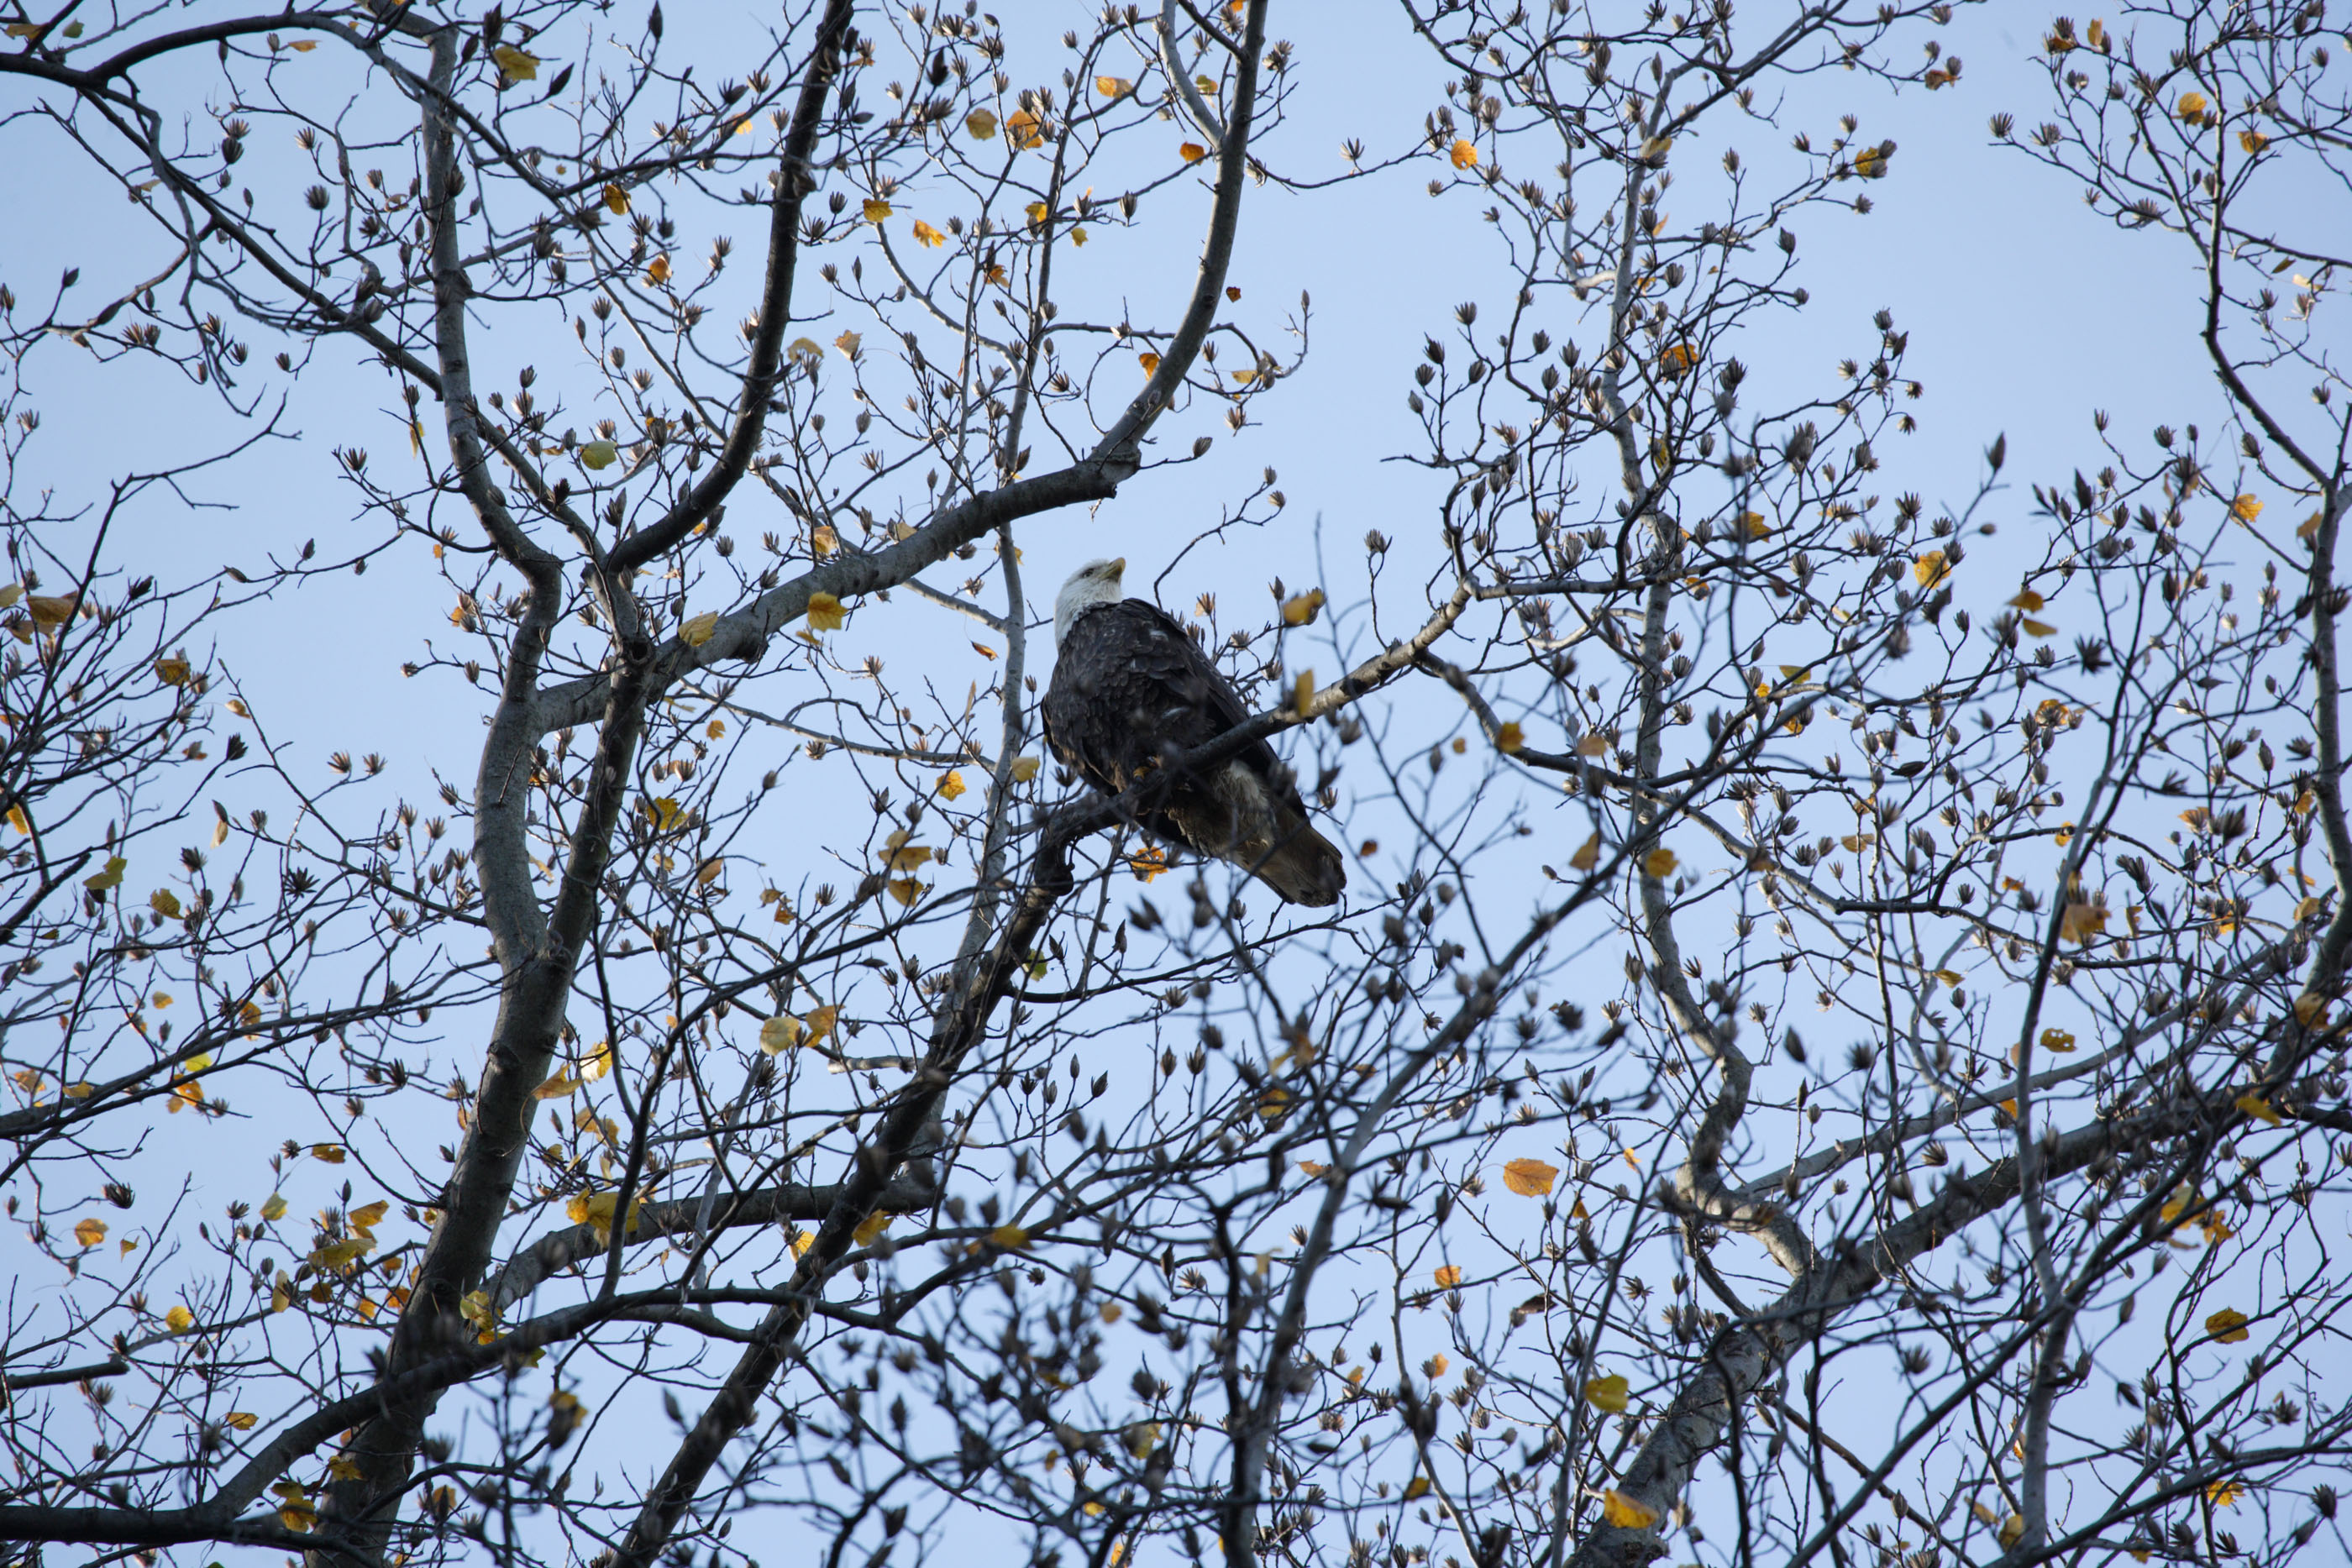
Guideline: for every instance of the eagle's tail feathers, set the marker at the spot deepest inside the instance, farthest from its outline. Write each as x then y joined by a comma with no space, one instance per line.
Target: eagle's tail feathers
1303,866
1240,821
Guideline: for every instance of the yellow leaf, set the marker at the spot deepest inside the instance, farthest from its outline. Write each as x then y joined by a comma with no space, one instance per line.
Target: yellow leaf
662,812
875,209
1592,745
2224,1493
951,785
2253,141
79,1091
802,1242
1529,1178
871,1227
1148,863
560,1087
165,903
1416,1489
1586,856
274,1206
1447,1277
1010,1237
2037,628
1300,609
2026,598
1312,1168
110,877
179,1319
1753,525
847,344
2310,1011
821,1022
1659,863
2056,1040
18,820
1931,569
1607,1393
982,124
599,1063
1113,87
698,629
90,1232
337,1254
1302,693
805,352
2191,106
2245,508
823,539
1677,359
241,1420
2308,528
658,272
1191,151
903,856
1139,1436
926,235
1149,362
50,610
171,672
780,1034
1509,738
514,65
1465,156
2081,921
1627,1512
597,1209
2012,1530
824,612
1871,161
1021,129
906,890
599,454
1024,768
1036,212
2255,1105
2228,1326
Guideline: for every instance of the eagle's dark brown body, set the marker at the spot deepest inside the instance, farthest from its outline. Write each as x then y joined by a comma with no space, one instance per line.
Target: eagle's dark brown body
1132,692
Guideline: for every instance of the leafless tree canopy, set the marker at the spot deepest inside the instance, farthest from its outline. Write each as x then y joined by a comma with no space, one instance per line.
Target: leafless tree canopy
780,1113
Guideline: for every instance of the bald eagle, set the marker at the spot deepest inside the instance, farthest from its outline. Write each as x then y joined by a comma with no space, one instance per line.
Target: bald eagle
1131,691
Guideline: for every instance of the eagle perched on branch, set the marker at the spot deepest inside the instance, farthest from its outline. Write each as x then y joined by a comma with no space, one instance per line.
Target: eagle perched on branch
1133,693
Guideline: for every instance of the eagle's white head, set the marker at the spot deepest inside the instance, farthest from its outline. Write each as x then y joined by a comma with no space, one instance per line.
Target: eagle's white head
1097,582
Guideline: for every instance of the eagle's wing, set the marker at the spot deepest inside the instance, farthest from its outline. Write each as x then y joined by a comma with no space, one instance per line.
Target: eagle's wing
1128,683
1130,686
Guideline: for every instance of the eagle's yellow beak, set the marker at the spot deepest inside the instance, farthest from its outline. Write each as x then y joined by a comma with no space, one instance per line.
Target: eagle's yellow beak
1119,567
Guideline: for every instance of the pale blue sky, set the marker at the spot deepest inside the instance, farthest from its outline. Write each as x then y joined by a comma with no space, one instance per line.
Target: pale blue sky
2025,312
